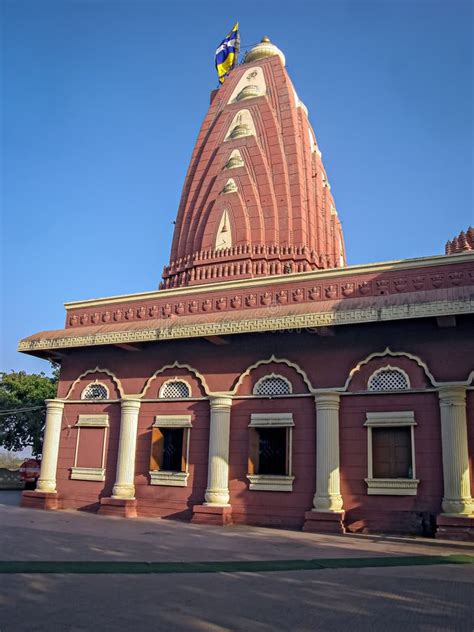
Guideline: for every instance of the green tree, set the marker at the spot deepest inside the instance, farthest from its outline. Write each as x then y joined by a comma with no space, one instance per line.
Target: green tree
22,408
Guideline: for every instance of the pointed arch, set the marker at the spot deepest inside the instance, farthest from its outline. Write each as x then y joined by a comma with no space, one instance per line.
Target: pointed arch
393,354
270,360
176,365
97,369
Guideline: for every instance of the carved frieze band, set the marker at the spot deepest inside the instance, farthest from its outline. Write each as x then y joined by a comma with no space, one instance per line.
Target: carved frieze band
275,323
307,293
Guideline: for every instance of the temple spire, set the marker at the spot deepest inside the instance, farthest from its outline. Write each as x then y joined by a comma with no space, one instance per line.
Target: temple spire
256,200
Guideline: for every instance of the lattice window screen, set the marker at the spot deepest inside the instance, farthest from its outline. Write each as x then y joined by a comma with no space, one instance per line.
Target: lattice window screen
273,386
175,390
95,391
388,380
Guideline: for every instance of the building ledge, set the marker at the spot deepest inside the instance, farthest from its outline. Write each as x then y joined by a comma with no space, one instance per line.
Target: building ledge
392,486
270,483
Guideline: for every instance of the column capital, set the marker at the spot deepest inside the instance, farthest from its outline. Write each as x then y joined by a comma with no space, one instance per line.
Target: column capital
327,400
54,404
131,403
220,401
452,395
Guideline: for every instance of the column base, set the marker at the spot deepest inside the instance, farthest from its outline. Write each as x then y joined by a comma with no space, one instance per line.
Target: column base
324,522
39,500
212,514
455,527
120,507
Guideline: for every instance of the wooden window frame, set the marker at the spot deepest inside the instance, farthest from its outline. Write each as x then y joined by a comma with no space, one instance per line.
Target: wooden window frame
270,482
167,478
90,473
390,486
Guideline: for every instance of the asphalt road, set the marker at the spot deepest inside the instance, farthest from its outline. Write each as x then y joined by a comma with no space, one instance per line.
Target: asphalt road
405,598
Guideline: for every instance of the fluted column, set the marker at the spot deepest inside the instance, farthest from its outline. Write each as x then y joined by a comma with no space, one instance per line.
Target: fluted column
124,482
457,489
52,433
328,493
217,492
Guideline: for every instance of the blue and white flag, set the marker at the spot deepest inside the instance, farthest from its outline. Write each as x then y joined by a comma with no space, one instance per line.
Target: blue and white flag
227,54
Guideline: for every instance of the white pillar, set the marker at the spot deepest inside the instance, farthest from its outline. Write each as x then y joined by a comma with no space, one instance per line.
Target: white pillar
124,482
217,492
328,494
457,489
52,433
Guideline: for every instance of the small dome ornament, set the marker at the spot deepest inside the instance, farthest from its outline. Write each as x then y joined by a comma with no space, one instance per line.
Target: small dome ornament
230,187
263,50
249,92
240,130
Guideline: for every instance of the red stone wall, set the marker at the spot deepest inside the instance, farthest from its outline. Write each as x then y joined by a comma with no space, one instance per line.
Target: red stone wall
390,513
327,362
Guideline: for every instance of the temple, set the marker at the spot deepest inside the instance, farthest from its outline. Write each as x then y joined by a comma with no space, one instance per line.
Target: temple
266,381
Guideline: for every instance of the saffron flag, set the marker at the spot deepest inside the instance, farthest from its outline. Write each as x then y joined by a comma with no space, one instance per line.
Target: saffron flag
227,53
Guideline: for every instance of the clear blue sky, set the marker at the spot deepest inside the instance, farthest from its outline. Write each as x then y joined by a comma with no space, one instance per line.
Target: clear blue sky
103,100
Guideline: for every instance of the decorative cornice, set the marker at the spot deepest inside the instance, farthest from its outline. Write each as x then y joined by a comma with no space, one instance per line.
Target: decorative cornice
316,275
176,331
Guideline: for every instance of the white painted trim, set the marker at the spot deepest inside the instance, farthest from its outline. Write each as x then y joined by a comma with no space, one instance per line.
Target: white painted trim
269,376
172,421
388,367
271,420
87,474
270,360
176,365
169,479
393,418
93,421
270,483
97,369
393,354
392,486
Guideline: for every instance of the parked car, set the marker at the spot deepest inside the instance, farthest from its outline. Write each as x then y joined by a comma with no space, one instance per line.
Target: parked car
29,472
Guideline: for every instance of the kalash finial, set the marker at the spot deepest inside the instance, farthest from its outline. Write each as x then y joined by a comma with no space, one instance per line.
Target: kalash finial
263,50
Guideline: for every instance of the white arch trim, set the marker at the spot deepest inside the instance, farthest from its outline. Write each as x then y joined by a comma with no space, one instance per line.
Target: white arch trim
271,359
388,367
97,369
173,380
393,354
269,376
176,365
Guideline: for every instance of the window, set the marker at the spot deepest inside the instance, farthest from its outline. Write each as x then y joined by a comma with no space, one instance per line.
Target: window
96,390
391,453
91,443
389,379
170,450
272,385
175,389
269,460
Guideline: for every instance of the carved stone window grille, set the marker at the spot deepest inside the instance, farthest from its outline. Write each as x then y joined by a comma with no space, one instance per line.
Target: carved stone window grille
272,385
175,390
389,380
95,391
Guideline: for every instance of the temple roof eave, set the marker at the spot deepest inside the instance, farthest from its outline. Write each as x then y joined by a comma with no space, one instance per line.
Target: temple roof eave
434,303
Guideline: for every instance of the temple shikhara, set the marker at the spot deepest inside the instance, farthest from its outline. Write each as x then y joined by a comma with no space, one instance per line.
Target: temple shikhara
267,382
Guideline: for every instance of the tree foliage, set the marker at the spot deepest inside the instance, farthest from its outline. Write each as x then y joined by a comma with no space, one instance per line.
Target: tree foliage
22,408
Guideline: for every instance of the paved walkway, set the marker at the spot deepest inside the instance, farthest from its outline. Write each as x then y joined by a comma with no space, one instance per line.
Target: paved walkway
391,583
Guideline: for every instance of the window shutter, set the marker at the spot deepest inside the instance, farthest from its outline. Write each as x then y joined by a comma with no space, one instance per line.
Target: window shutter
253,459
157,447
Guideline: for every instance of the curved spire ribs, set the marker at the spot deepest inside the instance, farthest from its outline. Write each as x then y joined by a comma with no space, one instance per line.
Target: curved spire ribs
256,200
